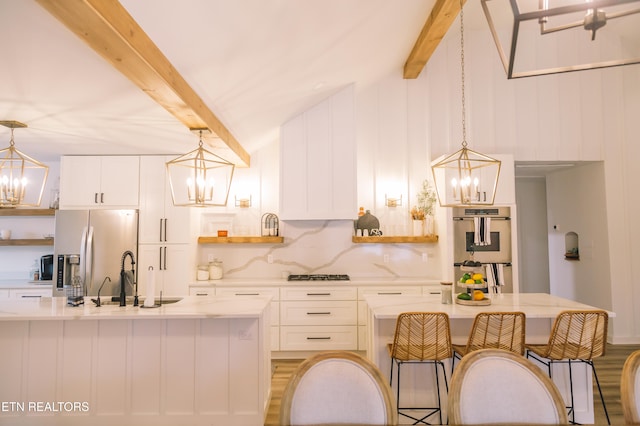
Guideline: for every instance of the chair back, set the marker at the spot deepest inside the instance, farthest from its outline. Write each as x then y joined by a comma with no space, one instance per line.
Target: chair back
422,336
630,389
337,387
498,330
494,386
578,335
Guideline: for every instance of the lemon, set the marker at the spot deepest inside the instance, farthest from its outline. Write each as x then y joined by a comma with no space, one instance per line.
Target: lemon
477,277
469,281
478,295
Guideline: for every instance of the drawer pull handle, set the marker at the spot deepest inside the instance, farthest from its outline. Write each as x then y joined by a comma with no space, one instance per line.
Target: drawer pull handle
202,294
318,294
318,313
389,293
434,292
247,294
30,295
318,338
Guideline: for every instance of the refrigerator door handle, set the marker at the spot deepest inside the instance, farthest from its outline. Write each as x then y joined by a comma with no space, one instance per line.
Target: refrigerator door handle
83,255
89,262
160,230
165,229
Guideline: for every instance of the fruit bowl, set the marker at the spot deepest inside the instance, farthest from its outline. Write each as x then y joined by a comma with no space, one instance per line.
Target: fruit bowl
484,302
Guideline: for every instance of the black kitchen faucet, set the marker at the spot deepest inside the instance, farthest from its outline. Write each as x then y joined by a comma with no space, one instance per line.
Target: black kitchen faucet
123,278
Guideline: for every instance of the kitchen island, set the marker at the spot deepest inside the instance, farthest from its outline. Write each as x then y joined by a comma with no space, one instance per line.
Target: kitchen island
540,310
198,362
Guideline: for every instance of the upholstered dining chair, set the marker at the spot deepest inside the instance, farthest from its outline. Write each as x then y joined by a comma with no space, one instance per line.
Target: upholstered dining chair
497,330
630,389
496,386
421,338
337,387
576,336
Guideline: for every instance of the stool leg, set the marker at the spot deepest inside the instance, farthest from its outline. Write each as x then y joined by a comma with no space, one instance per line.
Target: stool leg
571,410
593,368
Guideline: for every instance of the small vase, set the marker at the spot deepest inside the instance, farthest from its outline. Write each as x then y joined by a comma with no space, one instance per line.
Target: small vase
418,228
429,225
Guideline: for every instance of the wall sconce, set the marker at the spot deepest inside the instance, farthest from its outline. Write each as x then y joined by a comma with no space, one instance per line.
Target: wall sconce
19,172
567,30
243,202
393,202
200,178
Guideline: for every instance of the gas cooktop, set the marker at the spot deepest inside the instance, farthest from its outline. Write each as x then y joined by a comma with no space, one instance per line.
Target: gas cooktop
319,277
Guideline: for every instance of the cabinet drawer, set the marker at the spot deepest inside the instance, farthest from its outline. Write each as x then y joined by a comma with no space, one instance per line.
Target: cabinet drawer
297,338
253,291
319,293
30,293
318,313
201,291
388,291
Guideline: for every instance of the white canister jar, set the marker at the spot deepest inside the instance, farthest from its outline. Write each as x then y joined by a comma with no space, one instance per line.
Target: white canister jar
202,274
215,270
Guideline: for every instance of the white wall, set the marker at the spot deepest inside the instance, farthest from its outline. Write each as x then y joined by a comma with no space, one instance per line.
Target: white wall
533,261
16,261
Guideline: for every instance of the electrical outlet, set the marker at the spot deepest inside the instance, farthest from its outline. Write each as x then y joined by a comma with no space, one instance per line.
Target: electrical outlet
269,258
385,258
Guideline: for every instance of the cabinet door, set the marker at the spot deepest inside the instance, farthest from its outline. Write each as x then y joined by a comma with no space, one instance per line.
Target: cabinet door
79,182
160,220
171,266
119,181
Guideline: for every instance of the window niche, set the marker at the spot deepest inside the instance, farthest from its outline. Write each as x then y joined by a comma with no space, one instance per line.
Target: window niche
572,248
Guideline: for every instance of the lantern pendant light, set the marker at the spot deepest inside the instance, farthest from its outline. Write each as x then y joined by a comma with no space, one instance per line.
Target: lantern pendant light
200,178
22,178
465,177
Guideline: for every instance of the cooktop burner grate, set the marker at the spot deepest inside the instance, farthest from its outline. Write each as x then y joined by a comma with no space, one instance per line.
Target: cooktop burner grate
319,277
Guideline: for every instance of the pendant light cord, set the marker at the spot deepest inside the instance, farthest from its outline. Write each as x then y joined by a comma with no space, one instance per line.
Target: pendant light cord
464,112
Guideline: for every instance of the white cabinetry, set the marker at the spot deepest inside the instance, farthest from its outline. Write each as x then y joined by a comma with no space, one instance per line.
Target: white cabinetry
389,291
506,190
170,261
160,220
99,182
274,292
318,318
318,161
25,293
164,231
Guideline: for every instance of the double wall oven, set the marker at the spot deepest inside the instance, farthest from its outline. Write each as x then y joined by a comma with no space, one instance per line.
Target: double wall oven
490,249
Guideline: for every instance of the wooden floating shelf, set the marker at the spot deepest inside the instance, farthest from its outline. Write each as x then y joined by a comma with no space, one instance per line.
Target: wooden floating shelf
399,239
30,242
27,212
240,240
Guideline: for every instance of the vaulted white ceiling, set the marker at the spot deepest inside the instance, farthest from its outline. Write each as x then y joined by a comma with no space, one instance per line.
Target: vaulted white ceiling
254,63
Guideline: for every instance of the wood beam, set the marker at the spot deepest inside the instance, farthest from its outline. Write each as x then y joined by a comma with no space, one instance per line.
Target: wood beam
107,27
442,15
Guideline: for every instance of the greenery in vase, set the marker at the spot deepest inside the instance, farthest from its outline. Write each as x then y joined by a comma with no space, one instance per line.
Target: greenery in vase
426,200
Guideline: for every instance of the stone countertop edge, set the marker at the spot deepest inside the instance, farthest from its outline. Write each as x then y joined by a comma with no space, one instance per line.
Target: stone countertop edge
190,307
279,282
24,283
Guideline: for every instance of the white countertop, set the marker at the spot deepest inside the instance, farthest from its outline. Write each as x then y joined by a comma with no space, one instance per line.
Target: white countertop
56,308
280,282
534,305
20,283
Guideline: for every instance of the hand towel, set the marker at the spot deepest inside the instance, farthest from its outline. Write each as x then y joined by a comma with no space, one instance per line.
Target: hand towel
495,277
482,231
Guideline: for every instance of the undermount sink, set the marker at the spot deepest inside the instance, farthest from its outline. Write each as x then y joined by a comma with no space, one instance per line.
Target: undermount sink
115,300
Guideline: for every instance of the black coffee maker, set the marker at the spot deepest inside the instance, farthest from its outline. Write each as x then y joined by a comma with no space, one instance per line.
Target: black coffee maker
46,267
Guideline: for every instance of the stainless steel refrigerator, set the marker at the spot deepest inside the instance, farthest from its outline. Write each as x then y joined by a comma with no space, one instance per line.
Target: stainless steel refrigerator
89,247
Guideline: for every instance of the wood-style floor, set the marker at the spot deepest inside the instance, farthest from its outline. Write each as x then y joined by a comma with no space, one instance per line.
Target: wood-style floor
608,368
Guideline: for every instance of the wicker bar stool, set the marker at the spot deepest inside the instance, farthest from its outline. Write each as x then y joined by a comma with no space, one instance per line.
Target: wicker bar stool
578,336
494,330
421,338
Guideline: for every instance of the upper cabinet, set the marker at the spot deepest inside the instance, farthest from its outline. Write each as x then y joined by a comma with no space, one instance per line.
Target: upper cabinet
88,182
318,161
160,220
